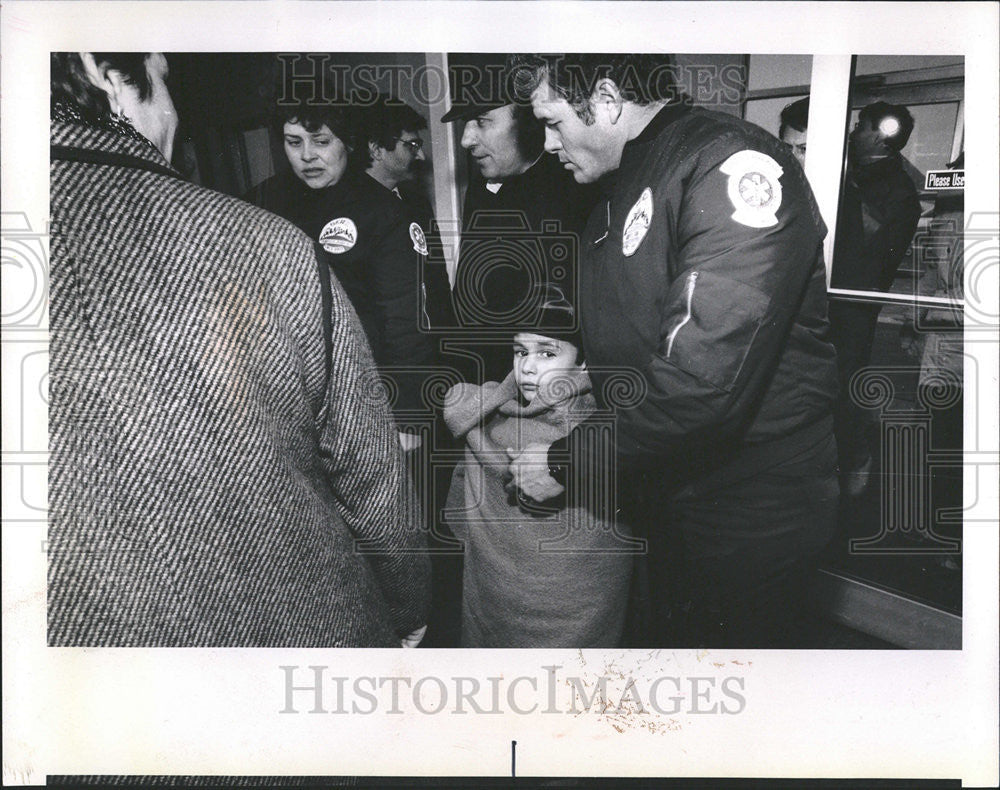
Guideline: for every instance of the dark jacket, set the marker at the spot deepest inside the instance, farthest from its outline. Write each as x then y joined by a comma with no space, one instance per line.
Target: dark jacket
218,476
703,285
877,220
437,312
523,235
369,244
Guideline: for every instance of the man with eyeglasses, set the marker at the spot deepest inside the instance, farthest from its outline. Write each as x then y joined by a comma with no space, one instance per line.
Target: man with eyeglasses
390,139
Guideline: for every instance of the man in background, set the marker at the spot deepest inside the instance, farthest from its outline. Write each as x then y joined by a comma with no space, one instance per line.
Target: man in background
392,146
794,123
391,151
875,226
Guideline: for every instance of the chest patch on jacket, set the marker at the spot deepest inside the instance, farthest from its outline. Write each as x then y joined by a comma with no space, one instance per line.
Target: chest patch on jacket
753,187
637,223
338,235
418,238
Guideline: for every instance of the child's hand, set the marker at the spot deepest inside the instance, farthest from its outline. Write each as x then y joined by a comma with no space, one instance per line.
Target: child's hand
529,471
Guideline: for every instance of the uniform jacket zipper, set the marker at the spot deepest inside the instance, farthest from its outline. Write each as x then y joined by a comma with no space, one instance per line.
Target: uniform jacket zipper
691,280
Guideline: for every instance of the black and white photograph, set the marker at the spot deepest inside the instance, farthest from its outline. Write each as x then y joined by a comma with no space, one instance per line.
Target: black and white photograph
403,375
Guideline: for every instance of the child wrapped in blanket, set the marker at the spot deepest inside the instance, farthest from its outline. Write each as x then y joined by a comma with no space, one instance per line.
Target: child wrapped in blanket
533,576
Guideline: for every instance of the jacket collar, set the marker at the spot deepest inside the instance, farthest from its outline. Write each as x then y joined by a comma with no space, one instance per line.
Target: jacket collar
103,144
664,118
660,121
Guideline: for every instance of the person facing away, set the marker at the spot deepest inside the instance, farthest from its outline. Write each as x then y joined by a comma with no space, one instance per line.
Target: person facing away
549,577
219,476
703,283
364,236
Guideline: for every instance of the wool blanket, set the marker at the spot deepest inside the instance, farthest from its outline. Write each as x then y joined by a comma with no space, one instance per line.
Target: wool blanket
534,576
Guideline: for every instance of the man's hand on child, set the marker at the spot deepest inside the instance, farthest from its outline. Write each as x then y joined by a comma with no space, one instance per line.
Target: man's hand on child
529,471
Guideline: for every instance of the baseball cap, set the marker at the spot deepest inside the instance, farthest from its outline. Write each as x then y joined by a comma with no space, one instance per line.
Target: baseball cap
477,83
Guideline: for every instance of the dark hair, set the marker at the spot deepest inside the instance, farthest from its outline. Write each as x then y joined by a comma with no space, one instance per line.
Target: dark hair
70,85
878,111
384,121
641,79
312,117
795,115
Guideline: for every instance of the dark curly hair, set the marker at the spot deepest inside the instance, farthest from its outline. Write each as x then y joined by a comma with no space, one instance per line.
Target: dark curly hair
878,111
340,120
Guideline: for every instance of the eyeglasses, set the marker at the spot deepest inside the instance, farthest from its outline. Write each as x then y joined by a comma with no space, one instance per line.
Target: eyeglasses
414,145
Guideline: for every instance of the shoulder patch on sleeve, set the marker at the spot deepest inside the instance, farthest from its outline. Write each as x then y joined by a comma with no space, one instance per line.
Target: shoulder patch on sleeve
754,188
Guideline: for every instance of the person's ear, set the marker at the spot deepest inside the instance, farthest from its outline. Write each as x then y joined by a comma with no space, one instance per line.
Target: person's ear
110,81
375,150
607,98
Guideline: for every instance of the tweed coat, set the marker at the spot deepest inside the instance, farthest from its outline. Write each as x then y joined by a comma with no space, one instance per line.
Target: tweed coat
215,479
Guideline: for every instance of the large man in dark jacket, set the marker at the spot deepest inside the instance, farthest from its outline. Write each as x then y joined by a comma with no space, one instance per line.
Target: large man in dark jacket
702,280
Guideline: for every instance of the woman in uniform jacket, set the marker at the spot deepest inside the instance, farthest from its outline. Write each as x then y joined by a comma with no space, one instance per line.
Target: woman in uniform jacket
364,236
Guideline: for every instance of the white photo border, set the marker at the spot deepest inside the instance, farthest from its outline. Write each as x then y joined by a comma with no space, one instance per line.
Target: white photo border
920,714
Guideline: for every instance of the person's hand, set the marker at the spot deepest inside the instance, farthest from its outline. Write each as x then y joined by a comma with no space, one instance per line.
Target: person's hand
529,471
414,639
408,441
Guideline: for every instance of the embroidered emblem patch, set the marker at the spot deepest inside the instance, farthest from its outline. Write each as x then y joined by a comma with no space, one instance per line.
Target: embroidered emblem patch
338,235
418,238
754,189
637,223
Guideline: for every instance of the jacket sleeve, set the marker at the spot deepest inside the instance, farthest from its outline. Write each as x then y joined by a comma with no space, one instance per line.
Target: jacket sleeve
404,349
747,243
365,468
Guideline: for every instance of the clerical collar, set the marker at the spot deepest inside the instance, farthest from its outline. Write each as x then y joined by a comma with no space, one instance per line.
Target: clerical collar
494,186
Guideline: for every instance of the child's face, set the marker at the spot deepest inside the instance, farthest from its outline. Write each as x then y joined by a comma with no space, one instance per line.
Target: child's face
539,361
